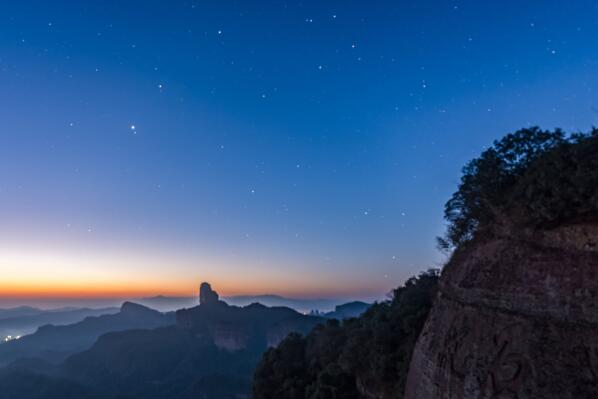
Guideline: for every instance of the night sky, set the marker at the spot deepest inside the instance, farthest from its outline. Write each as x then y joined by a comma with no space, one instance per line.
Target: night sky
298,148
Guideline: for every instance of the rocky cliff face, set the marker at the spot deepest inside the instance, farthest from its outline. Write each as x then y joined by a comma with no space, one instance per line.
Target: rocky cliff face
515,318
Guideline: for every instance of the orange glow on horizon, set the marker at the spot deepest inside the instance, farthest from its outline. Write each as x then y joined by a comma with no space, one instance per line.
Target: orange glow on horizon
84,291
136,290
52,275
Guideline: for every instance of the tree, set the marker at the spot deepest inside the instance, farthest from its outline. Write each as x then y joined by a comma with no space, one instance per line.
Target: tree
488,180
336,360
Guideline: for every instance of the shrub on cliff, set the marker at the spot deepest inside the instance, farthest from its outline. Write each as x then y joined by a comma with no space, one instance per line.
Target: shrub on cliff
529,178
343,360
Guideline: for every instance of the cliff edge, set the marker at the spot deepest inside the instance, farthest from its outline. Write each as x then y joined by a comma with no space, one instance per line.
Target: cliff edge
515,317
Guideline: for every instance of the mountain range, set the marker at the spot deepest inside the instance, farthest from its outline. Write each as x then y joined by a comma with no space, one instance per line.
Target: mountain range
54,343
169,303
207,351
25,320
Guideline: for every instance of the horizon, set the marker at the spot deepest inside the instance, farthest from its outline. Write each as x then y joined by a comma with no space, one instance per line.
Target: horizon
58,303
303,150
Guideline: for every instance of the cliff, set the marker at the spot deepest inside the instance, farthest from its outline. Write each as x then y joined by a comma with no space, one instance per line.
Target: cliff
516,317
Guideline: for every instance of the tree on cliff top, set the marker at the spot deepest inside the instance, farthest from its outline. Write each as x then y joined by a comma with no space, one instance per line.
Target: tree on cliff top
529,178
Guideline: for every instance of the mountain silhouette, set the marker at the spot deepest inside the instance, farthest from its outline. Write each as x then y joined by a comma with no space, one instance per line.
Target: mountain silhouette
254,326
55,343
26,320
170,303
209,352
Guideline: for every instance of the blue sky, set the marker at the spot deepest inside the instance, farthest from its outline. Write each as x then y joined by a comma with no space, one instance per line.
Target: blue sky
301,148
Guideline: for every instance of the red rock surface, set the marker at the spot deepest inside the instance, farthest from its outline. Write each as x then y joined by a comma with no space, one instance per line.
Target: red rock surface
515,318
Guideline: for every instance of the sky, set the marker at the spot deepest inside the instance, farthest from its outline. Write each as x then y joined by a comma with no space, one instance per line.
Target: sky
296,148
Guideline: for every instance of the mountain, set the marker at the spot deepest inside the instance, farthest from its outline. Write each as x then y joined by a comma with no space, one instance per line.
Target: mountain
210,353
166,303
168,362
254,327
300,305
19,311
54,343
25,320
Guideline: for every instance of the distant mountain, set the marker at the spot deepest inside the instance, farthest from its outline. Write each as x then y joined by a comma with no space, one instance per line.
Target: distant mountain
253,327
300,305
19,311
210,353
55,343
166,303
25,320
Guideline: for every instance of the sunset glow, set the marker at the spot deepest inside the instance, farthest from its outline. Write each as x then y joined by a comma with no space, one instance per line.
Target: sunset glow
302,150
46,275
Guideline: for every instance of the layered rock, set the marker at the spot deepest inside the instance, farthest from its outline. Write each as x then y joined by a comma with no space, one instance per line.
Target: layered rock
516,317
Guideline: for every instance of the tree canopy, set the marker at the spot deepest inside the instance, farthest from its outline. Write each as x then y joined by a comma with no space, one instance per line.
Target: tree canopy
344,359
529,178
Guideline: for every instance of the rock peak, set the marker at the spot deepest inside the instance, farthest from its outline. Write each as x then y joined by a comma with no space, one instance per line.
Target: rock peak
207,294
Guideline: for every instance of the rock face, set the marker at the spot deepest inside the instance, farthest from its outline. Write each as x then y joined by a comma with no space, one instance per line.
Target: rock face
515,318
207,294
